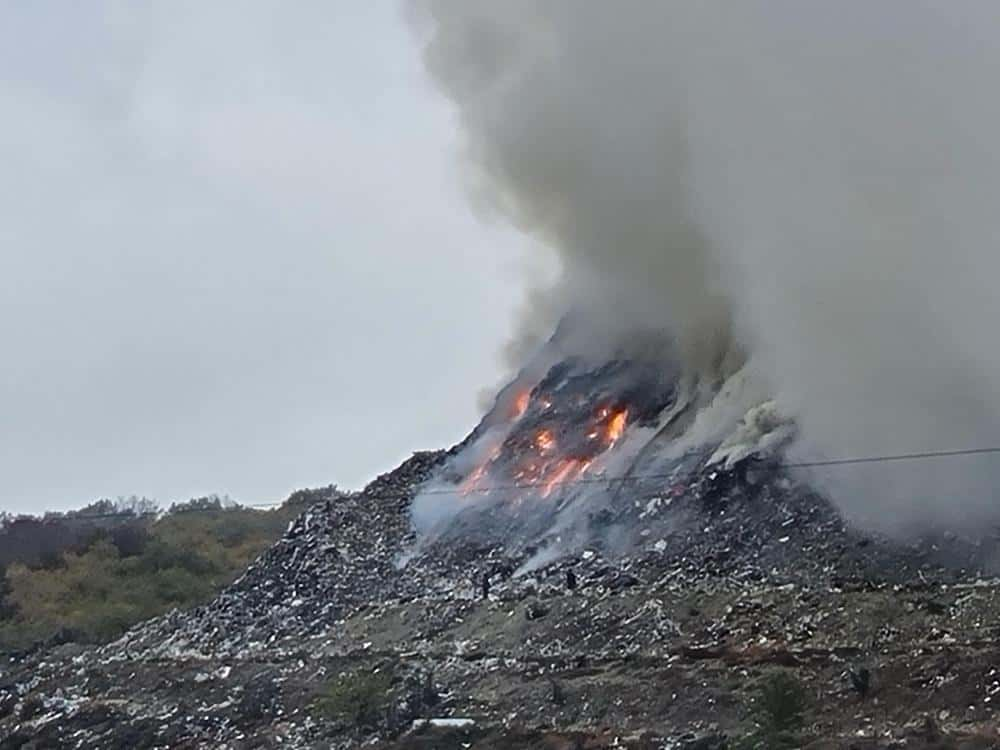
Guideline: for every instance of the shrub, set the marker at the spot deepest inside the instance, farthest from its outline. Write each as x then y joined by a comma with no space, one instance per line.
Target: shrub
7,610
130,539
780,703
777,709
359,699
116,577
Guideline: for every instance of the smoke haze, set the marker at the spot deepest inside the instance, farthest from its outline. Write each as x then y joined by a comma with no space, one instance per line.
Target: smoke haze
810,184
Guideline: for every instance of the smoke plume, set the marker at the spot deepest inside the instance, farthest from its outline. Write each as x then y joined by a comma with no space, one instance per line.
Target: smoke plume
806,184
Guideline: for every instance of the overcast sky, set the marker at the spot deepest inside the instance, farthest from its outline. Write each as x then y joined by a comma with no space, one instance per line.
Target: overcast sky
235,255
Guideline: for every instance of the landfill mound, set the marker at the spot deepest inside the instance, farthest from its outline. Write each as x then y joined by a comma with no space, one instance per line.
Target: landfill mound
558,608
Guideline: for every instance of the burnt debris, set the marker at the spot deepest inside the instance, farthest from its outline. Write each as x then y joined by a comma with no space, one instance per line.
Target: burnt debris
681,590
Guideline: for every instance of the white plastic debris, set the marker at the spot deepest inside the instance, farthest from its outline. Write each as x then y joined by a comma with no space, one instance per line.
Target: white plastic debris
444,723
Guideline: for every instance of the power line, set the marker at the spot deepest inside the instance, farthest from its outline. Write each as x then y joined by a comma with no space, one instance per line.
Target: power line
527,486
671,475
890,458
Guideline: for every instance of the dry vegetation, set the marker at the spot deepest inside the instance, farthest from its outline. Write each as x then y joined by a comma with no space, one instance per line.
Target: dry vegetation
90,587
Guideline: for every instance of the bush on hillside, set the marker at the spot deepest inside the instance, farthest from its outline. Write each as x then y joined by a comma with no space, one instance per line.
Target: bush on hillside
357,699
98,587
777,708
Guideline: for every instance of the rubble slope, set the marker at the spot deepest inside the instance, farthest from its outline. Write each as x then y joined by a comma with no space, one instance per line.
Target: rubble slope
726,575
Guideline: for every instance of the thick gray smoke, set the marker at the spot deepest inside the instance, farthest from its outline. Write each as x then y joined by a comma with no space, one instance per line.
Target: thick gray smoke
814,184
585,152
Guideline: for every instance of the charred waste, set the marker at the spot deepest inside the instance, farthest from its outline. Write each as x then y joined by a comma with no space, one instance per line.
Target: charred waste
581,537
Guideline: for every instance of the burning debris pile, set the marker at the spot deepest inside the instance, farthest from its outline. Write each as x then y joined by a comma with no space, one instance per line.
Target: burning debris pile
562,454
550,577
542,440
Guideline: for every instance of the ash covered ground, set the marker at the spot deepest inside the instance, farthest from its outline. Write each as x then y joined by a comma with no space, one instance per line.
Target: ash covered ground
576,574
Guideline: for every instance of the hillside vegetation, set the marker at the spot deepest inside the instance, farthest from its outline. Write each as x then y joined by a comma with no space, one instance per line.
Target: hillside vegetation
88,576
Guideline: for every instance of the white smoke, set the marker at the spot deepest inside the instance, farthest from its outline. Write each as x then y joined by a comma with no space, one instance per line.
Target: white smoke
812,183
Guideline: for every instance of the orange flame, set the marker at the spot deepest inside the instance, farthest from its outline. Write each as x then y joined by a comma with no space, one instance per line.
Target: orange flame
616,427
543,470
565,472
520,405
545,442
473,481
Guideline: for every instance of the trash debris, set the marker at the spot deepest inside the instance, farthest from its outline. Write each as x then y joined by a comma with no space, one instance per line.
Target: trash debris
658,637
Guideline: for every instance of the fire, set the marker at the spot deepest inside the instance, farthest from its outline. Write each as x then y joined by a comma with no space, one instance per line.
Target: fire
566,471
616,427
534,459
520,406
545,442
473,481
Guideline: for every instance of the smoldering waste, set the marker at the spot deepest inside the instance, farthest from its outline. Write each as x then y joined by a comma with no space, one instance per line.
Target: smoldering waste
592,581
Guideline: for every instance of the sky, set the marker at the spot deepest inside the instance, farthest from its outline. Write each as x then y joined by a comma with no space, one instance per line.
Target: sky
236,256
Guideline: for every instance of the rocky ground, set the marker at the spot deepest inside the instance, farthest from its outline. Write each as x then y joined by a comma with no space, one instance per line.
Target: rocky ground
346,634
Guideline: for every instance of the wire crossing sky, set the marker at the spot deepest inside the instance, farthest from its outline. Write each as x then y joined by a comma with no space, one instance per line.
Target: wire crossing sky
586,481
